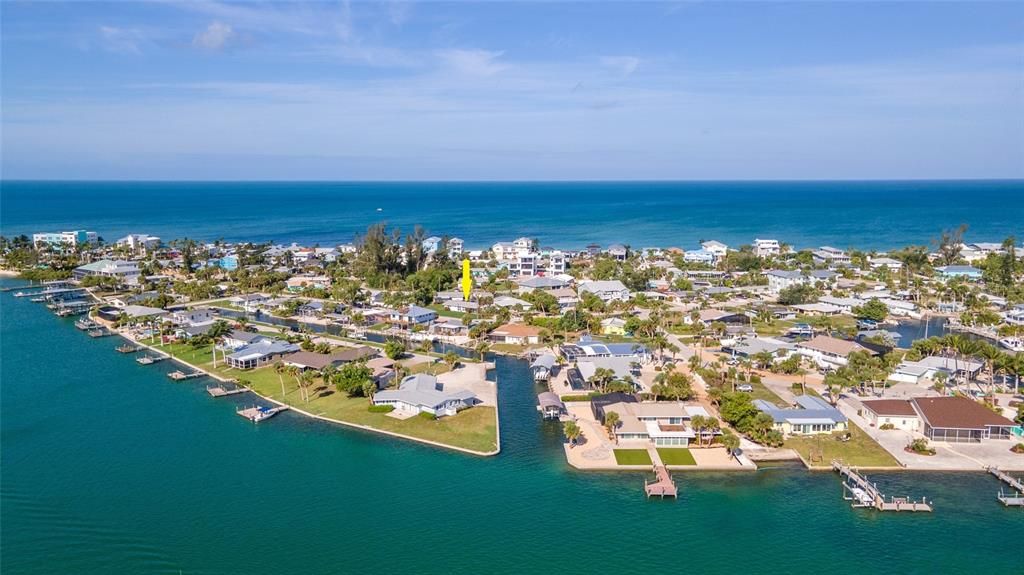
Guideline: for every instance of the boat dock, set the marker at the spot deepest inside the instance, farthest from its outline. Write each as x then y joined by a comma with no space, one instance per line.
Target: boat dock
86,324
257,414
219,391
127,348
99,332
864,494
663,486
182,376
151,359
1016,497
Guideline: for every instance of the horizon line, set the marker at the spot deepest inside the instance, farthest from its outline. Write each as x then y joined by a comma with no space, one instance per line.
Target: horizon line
505,181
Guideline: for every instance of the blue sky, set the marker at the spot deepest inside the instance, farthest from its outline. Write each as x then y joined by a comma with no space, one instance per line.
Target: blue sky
510,91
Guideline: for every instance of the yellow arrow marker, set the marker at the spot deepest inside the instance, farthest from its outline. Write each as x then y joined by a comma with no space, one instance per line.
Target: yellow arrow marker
467,280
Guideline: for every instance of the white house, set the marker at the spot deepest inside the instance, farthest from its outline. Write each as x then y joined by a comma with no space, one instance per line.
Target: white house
766,248
885,262
422,393
829,351
606,290
455,248
139,243
718,249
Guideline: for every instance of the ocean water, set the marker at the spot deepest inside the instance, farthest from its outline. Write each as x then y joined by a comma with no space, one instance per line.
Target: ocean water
110,467
869,215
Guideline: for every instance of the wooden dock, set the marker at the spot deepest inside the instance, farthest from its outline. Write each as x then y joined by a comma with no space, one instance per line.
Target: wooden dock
1014,498
127,348
182,376
864,494
663,486
257,414
151,359
219,391
100,332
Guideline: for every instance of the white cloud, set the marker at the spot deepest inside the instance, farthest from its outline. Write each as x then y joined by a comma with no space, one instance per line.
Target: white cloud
122,40
472,62
624,65
214,37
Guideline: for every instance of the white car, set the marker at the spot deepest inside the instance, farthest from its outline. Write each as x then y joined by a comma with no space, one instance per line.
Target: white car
746,387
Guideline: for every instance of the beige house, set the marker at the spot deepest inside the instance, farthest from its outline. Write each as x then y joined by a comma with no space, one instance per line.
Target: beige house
896,412
516,334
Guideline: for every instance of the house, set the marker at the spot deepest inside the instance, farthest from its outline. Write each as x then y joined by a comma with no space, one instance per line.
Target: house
626,369
960,420
63,240
516,334
238,339
543,283
928,367
967,272
422,393
431,244
542,367
260,352
885,262
308,360
717,249
708,316
749,347
556,262
299,283
141,312
504,250
194,317
605,290
455,248
567,298
665,424
512,302
457,305
779,280
123,270
249,302
449,326
588,348
139,243
828,351
834,257
812,416
412,316
701,256
613,326
896,412
766,248
618,252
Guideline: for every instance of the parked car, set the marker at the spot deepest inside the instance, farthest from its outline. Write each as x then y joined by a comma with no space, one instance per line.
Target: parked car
745,387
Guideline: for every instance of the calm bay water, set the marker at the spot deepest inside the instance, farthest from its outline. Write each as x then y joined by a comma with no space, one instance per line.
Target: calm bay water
109,467
870,215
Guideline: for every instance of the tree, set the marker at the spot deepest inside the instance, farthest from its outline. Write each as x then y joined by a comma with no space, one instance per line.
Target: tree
394,349
452,359
601,378
949,244
730,441
279,369
873,310
572,432
351,378
611,421
797,294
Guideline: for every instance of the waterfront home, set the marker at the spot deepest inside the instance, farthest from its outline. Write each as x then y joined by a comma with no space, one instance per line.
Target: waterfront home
516,334
818,309
828,351
960,420
448,326
316,361
411,316
448,295
61,240
834,257
812,416
142,312
194,317
123,270
613,326
980,250
766,248
566,297
967,272
512,302
422,393
555,262
431,244
895,412
663,423
550,406
749,347
455,248
542,367
618,252
238,339
927,367
139,243
845,304
717,249
383,369
605,290
625,369
260,352
249,302
587,348
700,256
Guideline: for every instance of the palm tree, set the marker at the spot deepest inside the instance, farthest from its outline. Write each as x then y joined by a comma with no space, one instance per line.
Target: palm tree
452,359
611,421
992,357
482,348
306,379
572,432
279,369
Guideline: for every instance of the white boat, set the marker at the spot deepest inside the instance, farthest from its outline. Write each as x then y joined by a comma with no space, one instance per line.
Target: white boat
1012,343
861,496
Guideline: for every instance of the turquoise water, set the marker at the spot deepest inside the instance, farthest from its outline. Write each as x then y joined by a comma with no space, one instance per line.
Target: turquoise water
109,467
869,215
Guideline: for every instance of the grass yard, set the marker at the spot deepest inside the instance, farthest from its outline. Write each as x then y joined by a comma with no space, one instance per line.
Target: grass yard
474,428
441,311
859,451
632,457
761,391
508,348
676,456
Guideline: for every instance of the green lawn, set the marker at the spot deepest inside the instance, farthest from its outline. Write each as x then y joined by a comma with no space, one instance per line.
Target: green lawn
632,457
762,392
474,428
676,456
441,311
859,451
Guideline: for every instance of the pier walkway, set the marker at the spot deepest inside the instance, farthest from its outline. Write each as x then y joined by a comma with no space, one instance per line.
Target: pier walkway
1014,498
151,359
663,485
863,493
219,391
182,376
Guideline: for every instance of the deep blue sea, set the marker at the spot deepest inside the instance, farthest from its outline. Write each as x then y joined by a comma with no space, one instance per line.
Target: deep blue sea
869,215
